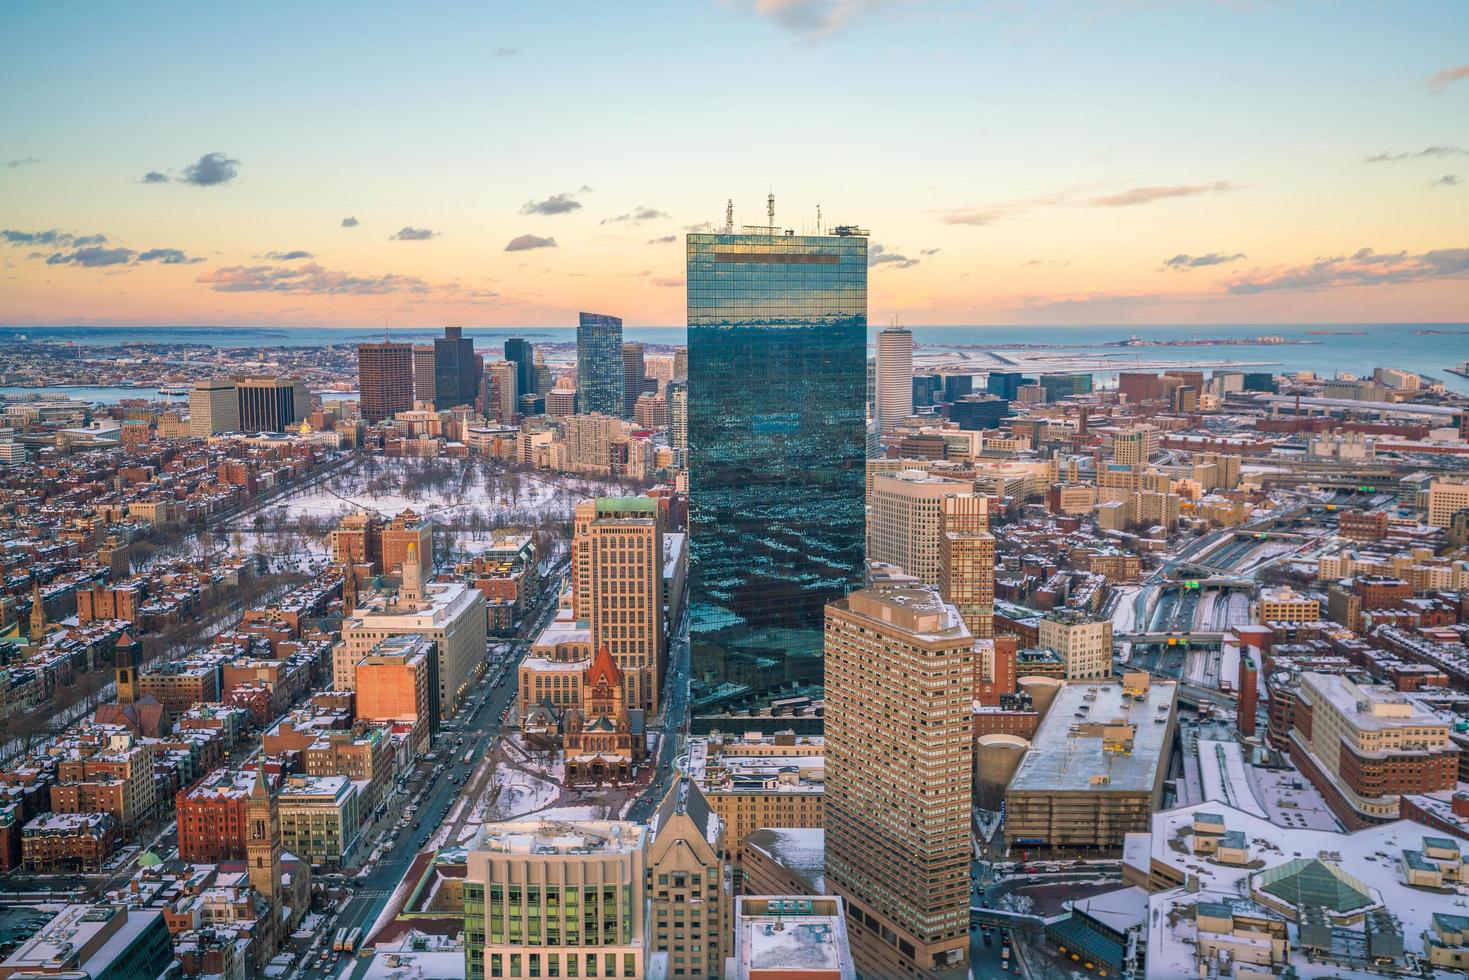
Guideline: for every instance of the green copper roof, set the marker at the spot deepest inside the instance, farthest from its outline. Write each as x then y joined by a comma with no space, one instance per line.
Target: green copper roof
624,505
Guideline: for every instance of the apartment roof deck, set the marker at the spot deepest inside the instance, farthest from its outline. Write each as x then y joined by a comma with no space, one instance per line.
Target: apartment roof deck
1081,739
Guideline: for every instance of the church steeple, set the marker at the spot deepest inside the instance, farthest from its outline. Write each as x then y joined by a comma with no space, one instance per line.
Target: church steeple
263,839
38,613
125,668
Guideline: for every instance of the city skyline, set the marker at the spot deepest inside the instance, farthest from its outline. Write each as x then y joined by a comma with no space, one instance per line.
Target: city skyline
1056,164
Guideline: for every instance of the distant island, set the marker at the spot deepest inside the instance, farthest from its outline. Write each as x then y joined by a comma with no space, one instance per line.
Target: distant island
1273,340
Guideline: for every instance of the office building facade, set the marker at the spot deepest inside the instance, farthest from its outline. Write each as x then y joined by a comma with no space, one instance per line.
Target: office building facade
599,366
894,382
617,585
522,353
899,690
557,900
776,421
384,380
423,373
907,520
501,391
634,373
456,369
214,406
271,404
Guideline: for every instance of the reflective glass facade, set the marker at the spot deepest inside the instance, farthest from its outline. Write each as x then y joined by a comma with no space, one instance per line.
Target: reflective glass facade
599,364
776,430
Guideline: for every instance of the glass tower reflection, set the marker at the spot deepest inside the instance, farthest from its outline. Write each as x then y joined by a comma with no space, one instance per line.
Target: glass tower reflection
777,331
599,364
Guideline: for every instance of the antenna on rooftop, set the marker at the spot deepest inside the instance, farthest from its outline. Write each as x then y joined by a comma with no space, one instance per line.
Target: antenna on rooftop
770,209
729,217
820,230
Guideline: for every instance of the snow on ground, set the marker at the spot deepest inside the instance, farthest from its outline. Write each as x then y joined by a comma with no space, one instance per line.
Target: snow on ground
572,813
1123,613
309,925
1266,554
474,496
521,794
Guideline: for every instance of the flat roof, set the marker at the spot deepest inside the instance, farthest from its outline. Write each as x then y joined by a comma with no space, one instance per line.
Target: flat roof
548,837
1069,751
1372,706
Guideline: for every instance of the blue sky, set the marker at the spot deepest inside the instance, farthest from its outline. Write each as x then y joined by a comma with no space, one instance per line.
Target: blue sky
979,141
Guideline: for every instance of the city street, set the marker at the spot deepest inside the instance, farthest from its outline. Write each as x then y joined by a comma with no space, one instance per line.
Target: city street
481,721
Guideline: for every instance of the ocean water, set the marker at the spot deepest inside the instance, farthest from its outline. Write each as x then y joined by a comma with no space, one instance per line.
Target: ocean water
1331,349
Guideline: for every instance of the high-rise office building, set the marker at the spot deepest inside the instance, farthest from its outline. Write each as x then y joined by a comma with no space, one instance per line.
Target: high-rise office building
271,404
975,412
680,362
678,419
906,521
617,585
894,376
777,345
634,371
1059,386
599,370
522,354
214,406
899,765
1006,384
501,391
384,379
967,567
423,373
956,386
456,369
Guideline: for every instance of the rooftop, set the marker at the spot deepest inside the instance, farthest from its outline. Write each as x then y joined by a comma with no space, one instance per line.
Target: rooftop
1372,706
551,837
1095,738
792,933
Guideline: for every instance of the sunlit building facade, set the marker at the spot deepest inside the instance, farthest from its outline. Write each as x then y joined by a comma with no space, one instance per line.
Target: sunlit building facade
776,424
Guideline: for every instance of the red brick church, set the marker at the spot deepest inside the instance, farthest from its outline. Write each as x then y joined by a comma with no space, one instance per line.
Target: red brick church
601,740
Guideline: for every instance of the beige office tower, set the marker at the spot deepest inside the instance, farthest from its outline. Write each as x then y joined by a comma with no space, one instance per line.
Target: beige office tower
688,907
423,373
617,584
214,406
907,517
967,576
1134,446
894,377
899,762
500,393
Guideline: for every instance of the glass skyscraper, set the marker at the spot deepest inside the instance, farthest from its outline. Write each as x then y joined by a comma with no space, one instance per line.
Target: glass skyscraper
599,364
522,354
776,429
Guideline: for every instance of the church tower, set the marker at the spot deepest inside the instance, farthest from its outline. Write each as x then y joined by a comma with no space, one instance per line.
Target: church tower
125,668
410,593
263,839
349,589
38,613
